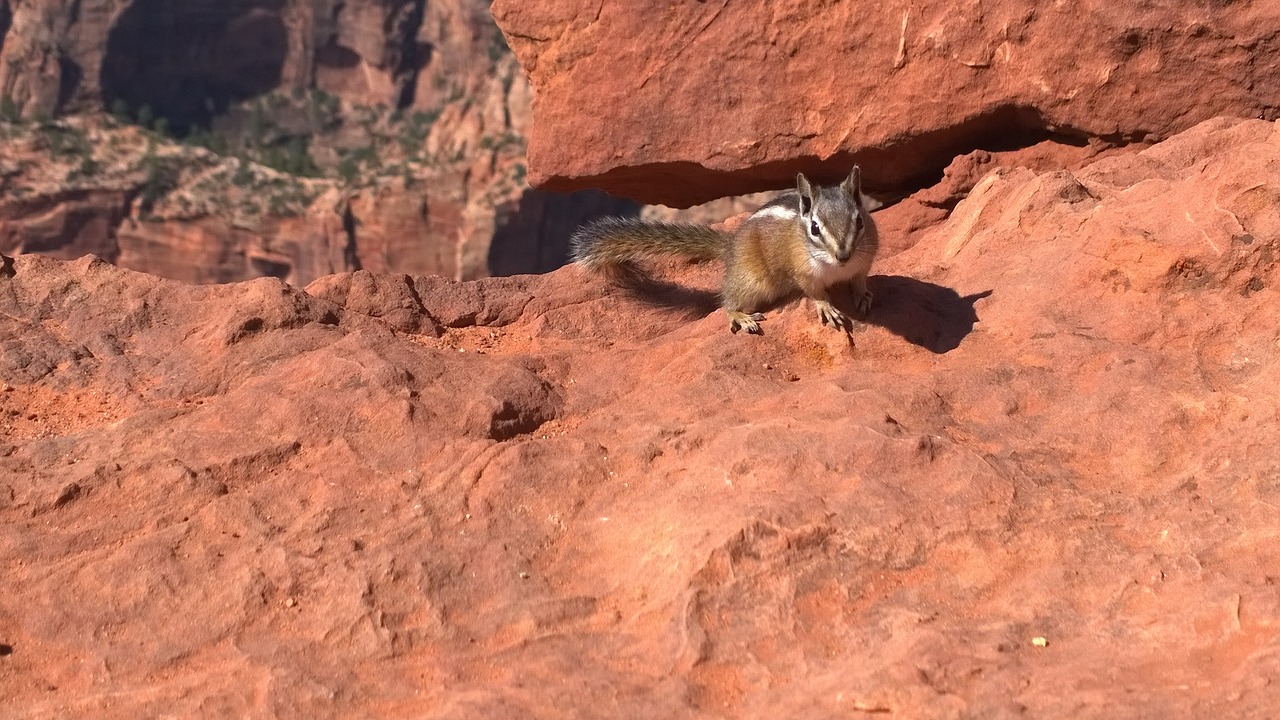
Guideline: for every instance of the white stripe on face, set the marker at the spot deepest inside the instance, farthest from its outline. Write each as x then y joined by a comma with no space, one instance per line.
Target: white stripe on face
776,211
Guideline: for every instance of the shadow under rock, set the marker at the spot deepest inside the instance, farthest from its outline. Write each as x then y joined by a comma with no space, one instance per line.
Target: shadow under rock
531,234
934,317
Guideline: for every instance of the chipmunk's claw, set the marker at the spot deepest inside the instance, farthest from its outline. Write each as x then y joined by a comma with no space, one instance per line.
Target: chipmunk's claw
863,304
743,321
831,315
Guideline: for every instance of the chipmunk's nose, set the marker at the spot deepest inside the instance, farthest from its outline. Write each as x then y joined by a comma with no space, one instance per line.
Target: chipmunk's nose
843,254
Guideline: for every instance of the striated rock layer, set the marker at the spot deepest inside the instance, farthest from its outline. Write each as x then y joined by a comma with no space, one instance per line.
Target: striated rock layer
1040,481
682,103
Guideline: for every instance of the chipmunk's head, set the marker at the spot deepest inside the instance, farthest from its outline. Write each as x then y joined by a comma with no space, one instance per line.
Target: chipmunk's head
833,218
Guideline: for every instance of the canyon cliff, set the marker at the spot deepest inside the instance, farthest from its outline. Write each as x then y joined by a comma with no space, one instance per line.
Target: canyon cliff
401,123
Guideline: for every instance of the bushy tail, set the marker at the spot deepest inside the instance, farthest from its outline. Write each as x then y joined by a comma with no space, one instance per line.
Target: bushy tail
612,243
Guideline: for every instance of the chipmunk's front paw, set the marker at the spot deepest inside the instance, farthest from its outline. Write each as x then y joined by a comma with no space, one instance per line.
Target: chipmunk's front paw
743,321
863,304
830,315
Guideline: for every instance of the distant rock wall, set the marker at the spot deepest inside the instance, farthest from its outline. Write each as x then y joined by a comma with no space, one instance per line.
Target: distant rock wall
87,185
190,62
191,58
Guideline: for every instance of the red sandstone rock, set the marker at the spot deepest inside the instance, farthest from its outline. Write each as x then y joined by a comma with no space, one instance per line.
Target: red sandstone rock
689,101
406,497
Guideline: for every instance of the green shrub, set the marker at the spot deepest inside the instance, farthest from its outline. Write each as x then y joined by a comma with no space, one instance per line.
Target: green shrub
348,170
497,48
9,110
162,179
243,176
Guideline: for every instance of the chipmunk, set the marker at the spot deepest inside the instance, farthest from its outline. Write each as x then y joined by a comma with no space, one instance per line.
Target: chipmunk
806,241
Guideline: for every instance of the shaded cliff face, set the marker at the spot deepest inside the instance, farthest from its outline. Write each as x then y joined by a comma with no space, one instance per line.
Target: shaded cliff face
189,60
629,100
6,19
1040,481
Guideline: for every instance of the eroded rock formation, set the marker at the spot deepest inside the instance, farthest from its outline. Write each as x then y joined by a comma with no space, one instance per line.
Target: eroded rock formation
81,185
190,60
319,80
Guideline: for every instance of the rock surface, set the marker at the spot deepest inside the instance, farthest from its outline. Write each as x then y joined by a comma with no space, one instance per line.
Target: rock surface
1039,482
690,101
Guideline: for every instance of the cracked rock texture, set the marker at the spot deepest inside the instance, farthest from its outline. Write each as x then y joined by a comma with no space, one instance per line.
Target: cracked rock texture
1040,481
726,97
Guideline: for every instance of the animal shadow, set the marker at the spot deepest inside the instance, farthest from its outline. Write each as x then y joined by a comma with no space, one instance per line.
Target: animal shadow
934,317
662,293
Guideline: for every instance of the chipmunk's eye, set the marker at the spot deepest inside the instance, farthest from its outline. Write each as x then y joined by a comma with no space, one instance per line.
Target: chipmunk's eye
813,229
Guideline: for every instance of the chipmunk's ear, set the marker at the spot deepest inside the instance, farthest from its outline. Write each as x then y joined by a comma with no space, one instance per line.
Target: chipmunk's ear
806,194
852,185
